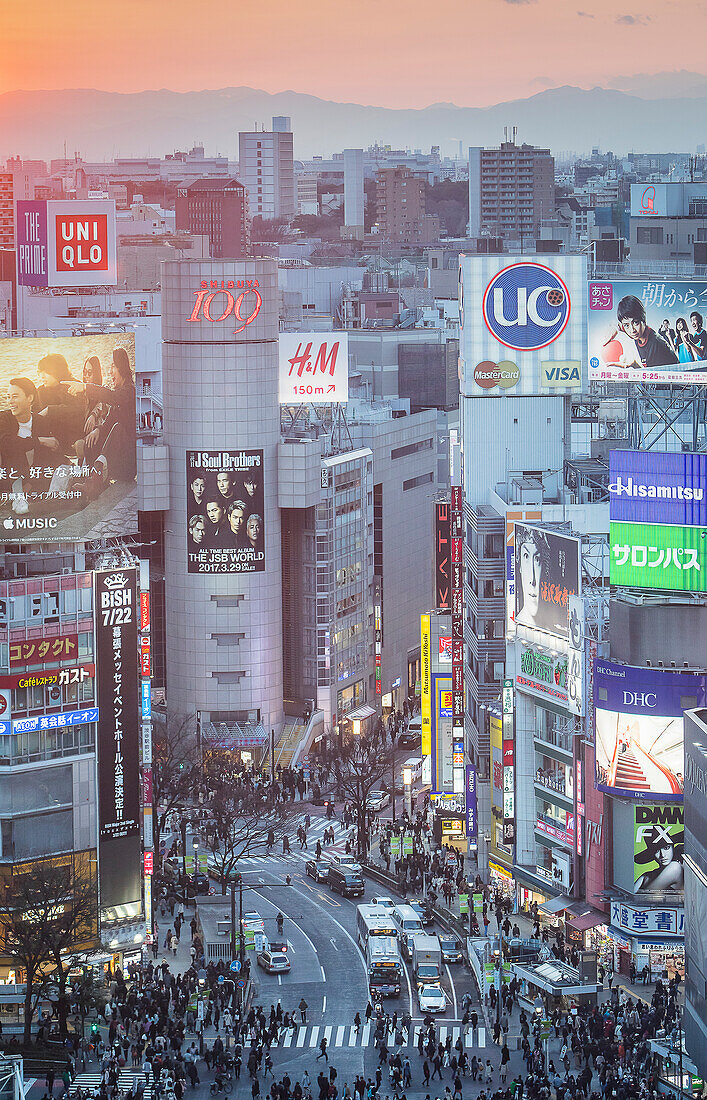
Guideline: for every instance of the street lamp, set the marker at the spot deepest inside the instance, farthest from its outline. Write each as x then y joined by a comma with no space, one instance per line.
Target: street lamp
407,783
195,844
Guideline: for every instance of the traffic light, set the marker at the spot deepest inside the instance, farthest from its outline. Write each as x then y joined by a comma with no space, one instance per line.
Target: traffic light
95,1030
236,878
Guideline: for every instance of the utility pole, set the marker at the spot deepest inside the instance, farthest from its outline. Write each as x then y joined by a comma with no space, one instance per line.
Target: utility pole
272,765
392,737
183,829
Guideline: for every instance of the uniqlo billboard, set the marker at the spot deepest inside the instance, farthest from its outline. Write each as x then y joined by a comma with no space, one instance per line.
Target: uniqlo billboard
66,242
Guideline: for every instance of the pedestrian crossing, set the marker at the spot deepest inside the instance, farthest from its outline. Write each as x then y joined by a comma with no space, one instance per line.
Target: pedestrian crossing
128,1082
309,1036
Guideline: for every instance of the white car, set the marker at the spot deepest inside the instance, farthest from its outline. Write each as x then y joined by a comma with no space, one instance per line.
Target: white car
383,902
431,998
252,922
349,862
378,800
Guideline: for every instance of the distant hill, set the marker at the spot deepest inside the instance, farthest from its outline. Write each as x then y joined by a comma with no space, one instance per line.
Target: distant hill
101,125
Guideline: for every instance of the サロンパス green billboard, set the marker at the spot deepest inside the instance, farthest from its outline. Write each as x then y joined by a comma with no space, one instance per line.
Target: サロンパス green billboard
652,555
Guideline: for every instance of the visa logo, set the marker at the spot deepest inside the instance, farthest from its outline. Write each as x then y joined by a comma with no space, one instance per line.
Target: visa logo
565,374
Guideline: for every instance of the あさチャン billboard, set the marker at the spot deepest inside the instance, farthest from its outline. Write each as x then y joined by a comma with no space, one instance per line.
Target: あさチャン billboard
639,741
68,458
648,330
225,512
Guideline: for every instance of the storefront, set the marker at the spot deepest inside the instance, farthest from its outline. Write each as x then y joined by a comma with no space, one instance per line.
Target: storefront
449,825
501,878
651,940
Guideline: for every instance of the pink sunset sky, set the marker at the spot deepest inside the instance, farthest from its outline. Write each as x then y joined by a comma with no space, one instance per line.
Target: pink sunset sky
382,52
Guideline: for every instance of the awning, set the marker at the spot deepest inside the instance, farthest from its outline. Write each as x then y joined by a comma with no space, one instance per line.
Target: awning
554,905
588,920
360,713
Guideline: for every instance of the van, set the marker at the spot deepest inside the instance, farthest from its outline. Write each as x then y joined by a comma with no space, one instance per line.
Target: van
406,921
346,882
414,764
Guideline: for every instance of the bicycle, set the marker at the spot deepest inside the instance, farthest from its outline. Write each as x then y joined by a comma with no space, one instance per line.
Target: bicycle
223,1084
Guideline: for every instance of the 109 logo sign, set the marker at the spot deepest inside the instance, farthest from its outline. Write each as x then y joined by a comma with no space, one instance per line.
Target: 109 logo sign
526,306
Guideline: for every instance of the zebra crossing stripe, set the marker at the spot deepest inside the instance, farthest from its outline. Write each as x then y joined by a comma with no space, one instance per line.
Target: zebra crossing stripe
353,1036
327,1035
340,1035
287,1038
301,1036
366,1035
314,1036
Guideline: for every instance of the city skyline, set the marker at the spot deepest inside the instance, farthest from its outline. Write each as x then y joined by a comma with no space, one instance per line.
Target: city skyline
514,48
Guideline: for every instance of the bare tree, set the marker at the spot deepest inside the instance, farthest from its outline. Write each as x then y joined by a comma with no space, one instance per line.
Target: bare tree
242,824
360,764
48,911
176,765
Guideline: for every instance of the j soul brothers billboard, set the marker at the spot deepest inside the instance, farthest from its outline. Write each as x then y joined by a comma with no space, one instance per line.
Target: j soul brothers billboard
523,325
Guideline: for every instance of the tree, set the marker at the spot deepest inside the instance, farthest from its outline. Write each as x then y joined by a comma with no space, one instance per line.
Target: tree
49,911
176,765
358,766
242,823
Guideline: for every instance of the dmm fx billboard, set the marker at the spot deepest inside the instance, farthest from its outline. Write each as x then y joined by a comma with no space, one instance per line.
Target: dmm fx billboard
639,729
314,368
658,844
648,330
66,243
115,609
523,325
658,514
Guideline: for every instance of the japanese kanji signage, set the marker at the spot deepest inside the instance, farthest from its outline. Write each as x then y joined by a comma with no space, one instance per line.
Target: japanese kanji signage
115,603
547,573
314,368
643,330
667,921
40,651
57,677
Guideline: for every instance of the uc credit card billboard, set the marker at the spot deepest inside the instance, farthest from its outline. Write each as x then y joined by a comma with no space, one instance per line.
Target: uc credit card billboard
523,325
639,729
66,242
645,330
658,516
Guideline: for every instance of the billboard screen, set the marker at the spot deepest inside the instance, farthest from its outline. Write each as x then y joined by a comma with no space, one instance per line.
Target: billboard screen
225,514
68,460
658,487
115,608
442,560
646,330
314,368
527,516
66,242
639,729
658,841
546,574
523,325
656,555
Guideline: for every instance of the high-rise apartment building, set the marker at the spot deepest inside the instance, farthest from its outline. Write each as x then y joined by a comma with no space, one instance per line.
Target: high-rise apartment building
7,221
511,190
218,209
353,188
400,208
266,167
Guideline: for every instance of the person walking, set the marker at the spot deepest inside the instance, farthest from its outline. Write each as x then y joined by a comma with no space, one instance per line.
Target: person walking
323,1051
303,1006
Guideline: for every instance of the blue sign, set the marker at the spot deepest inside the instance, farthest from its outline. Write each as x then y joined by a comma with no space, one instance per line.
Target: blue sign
146,698
235,966
54,721
526,306
658,487
470,787
5,727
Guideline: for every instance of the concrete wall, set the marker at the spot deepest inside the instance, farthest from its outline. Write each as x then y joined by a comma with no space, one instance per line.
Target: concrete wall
661,634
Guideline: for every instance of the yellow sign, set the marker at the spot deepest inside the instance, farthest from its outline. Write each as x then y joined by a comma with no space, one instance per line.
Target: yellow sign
426,685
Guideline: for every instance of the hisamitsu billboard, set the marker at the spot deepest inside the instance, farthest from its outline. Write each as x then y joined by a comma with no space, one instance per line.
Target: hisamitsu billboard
658,487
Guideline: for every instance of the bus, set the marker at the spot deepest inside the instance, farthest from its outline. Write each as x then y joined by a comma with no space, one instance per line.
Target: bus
373,920
384,966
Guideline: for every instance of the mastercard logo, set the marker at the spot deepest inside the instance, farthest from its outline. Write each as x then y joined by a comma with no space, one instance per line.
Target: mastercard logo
504,374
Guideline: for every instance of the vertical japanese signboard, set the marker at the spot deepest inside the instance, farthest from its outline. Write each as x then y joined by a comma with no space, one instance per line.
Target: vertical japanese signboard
442,573
456,532
115,604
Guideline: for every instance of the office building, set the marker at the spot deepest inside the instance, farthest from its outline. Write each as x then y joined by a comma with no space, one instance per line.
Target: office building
218,209
668,224
353,189
266,167
695,860
511,190
7,211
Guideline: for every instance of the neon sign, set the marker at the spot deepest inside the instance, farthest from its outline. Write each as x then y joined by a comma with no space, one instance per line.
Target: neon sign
232,305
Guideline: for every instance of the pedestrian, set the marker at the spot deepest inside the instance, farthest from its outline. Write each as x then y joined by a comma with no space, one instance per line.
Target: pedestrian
303,1006
323,1051
489,1072
505,1059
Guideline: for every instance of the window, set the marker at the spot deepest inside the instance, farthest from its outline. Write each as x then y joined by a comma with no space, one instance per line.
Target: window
415,482
649,234
411,448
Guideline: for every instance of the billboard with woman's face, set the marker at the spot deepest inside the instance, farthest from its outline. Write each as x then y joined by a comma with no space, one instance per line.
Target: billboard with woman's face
68,461
547,573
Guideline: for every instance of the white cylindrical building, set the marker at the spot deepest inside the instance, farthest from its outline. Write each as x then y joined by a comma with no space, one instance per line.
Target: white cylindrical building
223,573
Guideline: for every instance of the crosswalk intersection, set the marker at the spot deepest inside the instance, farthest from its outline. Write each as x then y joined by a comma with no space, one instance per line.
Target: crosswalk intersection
127,1082
347,1035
